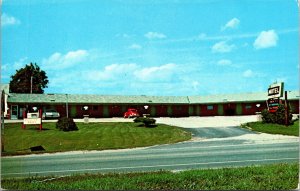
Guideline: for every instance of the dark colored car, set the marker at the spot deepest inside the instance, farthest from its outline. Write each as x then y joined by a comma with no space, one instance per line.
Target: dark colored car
50,114
131,113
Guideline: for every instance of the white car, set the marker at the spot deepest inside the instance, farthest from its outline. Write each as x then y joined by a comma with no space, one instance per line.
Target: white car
50,113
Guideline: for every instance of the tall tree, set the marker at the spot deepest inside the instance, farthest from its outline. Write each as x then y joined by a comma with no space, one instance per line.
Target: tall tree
31,77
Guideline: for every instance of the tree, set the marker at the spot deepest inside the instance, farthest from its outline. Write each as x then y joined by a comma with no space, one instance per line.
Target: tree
21,81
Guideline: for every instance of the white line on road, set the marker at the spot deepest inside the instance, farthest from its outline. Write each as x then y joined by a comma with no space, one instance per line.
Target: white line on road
222,146
153,166
147,149
141,156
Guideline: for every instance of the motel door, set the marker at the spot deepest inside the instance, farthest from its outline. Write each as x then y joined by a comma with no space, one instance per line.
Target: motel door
14,112
230,109
115,111
21,110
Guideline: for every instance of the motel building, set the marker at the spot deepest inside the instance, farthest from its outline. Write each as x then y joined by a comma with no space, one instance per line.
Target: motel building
104,106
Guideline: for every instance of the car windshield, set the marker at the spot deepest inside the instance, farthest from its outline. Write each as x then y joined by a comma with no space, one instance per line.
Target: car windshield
50,110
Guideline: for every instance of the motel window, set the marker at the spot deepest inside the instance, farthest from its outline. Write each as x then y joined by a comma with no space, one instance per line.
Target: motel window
210,107
95,107
248,107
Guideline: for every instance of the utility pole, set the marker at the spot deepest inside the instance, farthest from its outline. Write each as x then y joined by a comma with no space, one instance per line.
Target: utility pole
31,78
2,109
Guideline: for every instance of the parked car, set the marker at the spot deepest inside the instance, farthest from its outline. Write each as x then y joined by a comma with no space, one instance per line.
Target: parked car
131,113
50,113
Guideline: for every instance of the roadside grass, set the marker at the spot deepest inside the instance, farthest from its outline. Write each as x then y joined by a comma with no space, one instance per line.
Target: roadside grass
266,177
91,136
273,128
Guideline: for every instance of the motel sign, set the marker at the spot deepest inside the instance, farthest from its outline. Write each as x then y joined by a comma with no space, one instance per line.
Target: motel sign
275,91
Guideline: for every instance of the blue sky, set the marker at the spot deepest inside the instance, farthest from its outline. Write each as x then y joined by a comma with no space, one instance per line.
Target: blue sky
153,47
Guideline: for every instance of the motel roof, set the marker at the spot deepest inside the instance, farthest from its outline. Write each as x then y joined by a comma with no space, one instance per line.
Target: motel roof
241,97
93,99
142,99
246,97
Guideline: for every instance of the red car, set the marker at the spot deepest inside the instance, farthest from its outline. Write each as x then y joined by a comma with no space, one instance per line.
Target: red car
131,113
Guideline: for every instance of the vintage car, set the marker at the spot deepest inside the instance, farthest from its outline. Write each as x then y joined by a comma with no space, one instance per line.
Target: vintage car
130,113
50,114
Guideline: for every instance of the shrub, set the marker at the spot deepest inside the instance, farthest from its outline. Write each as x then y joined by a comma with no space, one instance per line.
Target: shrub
277,117
138,120
66,124
148,122
267,117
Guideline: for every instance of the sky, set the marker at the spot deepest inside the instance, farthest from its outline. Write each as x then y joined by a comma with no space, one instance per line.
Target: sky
153,47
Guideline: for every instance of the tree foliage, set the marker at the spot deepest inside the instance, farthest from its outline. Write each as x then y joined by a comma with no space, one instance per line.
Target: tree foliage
21,81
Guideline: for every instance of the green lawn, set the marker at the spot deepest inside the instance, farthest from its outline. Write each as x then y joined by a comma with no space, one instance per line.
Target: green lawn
273,128
267,177
91,136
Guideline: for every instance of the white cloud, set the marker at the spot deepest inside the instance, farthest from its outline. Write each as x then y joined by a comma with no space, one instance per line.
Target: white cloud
132,73
8,20
156,73
115,72
20,63
248,74
222,47
155,35
233,23
224,62
202,36
60,61
124,35
195,85
266,39
135,46
4,67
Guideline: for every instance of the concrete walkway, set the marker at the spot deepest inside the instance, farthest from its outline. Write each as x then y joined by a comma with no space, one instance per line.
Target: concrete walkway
188,122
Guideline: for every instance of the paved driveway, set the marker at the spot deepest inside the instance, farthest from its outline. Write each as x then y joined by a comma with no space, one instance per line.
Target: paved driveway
217,132
213,121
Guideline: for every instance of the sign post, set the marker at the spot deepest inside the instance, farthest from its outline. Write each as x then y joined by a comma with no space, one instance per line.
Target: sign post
32,119
286,109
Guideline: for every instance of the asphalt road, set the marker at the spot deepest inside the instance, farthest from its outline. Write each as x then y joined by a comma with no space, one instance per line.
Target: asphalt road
209,148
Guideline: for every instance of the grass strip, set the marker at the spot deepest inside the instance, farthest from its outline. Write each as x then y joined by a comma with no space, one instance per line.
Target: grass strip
266,177
271,128
91,136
